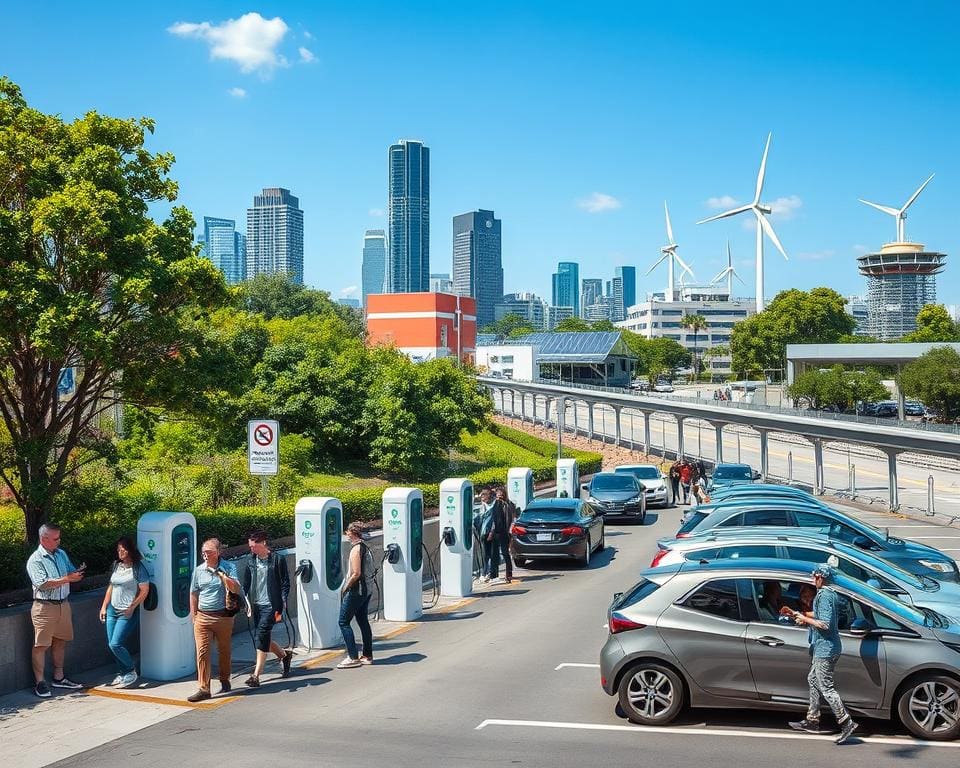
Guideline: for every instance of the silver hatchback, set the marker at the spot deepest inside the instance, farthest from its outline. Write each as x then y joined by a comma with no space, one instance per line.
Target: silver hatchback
693,634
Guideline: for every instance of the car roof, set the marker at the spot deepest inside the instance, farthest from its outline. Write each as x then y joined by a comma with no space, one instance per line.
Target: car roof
749,533
731,464
554,502
758,487
635,466
724,505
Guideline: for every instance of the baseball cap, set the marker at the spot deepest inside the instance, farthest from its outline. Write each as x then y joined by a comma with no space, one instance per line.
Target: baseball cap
825,572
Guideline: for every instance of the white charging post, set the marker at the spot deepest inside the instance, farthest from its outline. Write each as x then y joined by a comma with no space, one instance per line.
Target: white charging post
168,542
568,478
403,547
319,537
456,537
520,486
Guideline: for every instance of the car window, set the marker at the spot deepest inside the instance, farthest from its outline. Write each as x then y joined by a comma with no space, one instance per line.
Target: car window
695,519
811,520
614,482
851,610
807,555
716,598
710,553
644,473
844,533
732,473
638,592
749,550
768,596
733,521
766,517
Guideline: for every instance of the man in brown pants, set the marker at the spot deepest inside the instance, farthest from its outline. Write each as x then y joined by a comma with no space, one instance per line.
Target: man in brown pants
212,579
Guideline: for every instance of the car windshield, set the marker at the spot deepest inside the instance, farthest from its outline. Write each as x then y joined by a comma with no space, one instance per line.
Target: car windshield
695,519
546,515
613,482
732,473
923,616
915,580
644,473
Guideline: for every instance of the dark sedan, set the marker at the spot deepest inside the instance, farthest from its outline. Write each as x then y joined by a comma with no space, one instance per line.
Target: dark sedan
617,494
556,528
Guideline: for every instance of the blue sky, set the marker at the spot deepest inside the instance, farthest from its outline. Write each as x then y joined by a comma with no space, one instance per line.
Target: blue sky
537,110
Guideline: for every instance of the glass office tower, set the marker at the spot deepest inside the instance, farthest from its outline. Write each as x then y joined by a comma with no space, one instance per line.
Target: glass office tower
222,244
477,264
566,286
275,235
408,217
374,267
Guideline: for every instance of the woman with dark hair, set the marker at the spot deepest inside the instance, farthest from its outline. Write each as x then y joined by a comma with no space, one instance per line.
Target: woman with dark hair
128,588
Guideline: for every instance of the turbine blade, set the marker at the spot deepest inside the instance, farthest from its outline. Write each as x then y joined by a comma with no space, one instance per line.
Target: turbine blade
666,212
720,275
884,208
763,170
734,273
916,194
684,266
724,215
658,262
768,229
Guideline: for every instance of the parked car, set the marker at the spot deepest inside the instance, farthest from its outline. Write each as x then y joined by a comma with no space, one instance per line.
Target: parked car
694,635
640,385
556,528
656,489
810,546
913,556
762,490
663,386
616,494
725,474
914,408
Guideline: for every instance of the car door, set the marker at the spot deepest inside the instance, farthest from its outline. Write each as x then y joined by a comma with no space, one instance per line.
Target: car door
704,630
592,523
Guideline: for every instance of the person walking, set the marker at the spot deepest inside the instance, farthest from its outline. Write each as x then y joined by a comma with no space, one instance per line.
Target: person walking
51,573
824,638
355,596
674,475
120,609
212,579
509,515
686,478
491,522
266,582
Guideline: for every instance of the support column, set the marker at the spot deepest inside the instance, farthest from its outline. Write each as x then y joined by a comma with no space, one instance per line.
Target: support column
513,404
646,432
576,419
590,419
718,428
561,408
764,455
523,407
616,425
892,471
818,488
679,438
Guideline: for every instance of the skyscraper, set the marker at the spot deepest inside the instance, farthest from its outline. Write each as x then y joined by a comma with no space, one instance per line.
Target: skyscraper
615,296
374,268
566,286
222,244
477,265
628,278
591,292
408,217
275,235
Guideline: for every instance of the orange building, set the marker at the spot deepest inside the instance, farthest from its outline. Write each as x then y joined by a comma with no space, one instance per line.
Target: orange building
424,325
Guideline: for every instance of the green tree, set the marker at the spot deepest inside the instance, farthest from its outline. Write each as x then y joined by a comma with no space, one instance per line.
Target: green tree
694,323
511,325
276,295
837,387
603,325
934,379
90,283
934,324
572,325
656,357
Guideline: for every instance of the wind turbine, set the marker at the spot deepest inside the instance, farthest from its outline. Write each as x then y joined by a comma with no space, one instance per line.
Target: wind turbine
901,214
728,272
669,252
761,211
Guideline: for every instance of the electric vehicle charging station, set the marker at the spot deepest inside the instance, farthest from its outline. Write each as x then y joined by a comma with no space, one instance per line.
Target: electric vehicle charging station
456,537
403,550
168,541
319,538
568,478
520,486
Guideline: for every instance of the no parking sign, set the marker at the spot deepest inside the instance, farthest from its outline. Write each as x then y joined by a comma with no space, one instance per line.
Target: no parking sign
263,447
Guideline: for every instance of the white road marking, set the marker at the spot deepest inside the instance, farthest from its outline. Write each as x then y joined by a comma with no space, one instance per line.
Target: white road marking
647,729
575,664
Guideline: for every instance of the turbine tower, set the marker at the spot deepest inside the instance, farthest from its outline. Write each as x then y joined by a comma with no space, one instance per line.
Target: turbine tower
761,211
901,214
669,252
728,272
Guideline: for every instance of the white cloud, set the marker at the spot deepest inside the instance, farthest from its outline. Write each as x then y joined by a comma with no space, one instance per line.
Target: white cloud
306,55
785,208
822,255
349,290
238,93
598,202
722,203
250,41
375,212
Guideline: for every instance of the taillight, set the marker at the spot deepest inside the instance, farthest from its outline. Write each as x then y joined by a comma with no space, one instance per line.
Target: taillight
518,530
572,530
658,557
683,536
620,623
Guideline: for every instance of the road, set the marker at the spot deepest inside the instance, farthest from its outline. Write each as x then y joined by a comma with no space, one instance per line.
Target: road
508,679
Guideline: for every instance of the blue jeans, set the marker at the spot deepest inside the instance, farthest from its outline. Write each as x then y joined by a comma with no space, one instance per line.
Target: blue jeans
354,606
119,628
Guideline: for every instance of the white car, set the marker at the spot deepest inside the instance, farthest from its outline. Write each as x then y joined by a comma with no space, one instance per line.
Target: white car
656,489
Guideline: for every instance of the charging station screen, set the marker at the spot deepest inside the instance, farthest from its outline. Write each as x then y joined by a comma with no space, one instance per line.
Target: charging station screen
181,572
529,488
331,541
416,534
466,504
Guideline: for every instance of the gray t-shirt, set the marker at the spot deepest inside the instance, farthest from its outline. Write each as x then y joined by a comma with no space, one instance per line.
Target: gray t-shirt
125,580
261,585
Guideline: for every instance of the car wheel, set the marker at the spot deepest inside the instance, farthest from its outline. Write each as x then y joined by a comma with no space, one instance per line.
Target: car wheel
585,560
650,694
929,707
603,538
519,562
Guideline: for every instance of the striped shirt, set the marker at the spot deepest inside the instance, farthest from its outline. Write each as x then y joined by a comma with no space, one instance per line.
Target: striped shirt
43,566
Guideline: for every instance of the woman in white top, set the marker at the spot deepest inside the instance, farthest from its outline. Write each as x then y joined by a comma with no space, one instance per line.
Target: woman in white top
128,588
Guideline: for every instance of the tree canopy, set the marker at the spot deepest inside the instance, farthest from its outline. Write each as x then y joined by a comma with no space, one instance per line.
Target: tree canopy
934,379
510,325
838,388
934,324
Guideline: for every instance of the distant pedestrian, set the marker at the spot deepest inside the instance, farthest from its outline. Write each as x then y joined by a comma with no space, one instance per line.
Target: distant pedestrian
120,609
509,514
355,594
674,476
267,586
686,478
824,638
51,573
491,522
212,579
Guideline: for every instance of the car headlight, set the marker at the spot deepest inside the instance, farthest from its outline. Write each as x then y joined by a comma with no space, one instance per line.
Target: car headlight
937,565
636,499
592,500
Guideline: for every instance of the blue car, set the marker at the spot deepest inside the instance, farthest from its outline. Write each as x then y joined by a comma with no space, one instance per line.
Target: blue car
725,475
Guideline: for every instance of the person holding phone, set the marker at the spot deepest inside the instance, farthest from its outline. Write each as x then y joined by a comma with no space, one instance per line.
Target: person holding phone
120,610
267,583
51,573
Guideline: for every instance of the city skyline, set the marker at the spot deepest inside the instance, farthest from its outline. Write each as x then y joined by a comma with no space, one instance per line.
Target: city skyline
477,263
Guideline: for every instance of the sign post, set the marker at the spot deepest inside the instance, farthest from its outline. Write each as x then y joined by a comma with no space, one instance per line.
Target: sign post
263,451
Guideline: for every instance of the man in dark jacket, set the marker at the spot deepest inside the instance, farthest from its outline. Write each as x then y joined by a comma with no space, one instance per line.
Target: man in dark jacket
267,586
492,521
509,514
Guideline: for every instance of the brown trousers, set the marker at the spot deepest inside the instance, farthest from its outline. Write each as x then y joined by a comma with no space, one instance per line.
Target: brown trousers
206,628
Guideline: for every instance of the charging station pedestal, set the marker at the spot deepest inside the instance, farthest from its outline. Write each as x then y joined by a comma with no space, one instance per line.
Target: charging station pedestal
168,541
456,537
568,478
319,538
403,567
520,486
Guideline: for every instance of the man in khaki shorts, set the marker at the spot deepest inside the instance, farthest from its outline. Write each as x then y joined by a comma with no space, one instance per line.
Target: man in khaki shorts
51,573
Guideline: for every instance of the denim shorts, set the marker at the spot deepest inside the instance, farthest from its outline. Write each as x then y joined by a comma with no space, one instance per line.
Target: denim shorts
263,620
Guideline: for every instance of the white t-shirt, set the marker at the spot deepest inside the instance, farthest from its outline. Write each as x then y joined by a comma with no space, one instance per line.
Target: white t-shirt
125,581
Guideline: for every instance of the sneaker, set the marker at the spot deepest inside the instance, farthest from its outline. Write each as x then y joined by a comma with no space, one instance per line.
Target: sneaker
846,731
116,681
349,663
199,696
252,682
225,686
366,660
127,680
806,725
485,579
498,581
65,682
42,690
286,661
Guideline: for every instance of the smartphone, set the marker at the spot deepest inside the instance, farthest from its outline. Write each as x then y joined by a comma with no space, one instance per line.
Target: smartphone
82,567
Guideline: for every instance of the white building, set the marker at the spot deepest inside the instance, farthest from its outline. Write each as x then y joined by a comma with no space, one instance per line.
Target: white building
510,361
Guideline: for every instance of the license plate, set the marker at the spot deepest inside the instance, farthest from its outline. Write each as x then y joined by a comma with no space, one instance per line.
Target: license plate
544,537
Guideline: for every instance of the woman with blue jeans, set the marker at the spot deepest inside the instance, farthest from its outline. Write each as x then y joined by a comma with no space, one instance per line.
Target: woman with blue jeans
128,588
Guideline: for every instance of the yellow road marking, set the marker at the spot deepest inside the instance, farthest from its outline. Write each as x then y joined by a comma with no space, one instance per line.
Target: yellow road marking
211,703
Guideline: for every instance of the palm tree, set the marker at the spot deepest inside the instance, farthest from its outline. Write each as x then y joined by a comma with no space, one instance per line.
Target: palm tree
695,323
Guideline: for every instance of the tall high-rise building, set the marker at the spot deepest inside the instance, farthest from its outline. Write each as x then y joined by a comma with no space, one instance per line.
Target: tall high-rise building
566,286
224,246
373,277
275,235
477,265
408,217
591,292
615,297
628,278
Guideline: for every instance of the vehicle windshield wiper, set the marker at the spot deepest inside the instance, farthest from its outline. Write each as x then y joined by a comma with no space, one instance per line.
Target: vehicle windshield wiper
932,618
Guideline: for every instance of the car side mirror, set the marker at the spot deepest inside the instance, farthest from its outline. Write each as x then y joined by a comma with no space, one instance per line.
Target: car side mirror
756,475
617,596
861,628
